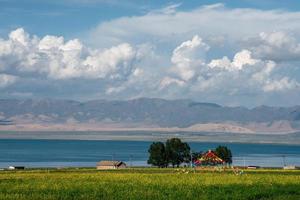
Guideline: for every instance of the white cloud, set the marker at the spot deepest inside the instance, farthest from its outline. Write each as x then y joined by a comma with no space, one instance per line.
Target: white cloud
247,48
243,58
280,46
113,90
19,36
187,57
50,42
6,80
171,25
137,72
223,76
189,66
240,60
265,71
166,81
53,57
113,62
171,9
283,84
224,63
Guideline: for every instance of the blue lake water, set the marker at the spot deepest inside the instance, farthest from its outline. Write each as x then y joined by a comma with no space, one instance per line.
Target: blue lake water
86,153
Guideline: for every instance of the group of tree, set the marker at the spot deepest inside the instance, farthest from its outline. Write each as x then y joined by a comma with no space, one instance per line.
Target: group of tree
224,153
174,152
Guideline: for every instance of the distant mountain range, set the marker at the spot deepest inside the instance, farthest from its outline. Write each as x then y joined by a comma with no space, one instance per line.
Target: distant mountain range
145,114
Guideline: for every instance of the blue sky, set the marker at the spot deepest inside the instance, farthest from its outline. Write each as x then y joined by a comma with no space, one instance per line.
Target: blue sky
243,52
71,17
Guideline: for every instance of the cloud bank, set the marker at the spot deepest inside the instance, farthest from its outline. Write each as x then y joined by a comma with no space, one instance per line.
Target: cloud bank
212,53
214,22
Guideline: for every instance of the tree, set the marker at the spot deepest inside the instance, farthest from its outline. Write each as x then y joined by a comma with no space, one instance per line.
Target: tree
196,155
177,152
157,155
224,153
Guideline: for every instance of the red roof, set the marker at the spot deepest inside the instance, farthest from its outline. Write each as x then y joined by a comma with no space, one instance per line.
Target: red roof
209,157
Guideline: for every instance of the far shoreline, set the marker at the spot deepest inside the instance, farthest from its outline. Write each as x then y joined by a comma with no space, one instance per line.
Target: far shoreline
149,136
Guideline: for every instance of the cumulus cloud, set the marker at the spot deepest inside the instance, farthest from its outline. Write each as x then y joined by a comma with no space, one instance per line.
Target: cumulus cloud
278,46
54,58
283,84
240,60
187,57
133,62
236,52
248,73
243,73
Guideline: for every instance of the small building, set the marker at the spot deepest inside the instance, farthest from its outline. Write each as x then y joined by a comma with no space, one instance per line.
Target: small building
106,164
289,167
209,159
253,167
16,167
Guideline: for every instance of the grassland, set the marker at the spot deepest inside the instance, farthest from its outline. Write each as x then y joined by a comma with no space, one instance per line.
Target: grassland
148,184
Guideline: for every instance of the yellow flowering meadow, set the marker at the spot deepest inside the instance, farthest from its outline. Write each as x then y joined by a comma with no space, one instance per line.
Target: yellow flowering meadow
148,183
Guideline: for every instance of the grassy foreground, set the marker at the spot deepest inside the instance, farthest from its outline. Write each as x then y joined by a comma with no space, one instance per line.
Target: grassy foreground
148,184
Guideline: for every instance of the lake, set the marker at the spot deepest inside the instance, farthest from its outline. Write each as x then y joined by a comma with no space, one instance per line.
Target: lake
86,153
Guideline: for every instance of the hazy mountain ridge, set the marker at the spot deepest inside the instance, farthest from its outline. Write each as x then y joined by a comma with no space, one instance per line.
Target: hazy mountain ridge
149,112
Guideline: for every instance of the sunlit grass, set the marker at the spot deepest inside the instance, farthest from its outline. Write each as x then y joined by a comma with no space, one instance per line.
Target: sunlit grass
148,184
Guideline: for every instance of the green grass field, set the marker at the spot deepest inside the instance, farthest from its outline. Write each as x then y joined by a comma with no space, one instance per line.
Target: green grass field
148,184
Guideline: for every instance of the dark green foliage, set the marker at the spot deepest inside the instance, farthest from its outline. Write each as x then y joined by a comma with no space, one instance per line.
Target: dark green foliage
174,152
157,155
177,152
224,153
196,155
